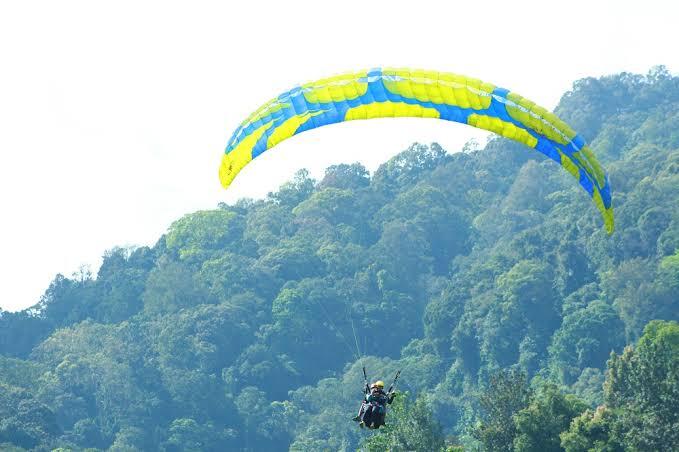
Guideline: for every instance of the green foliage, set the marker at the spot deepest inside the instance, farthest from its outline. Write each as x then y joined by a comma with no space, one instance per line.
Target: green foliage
641,398
669,273
188,435
20,373
121,281
590,386
292,193
539,424
331,204
24,420
428,209
171,286
506,394
592,431
585,339
345,177
643,388
232,274
203,231
481,274
407,167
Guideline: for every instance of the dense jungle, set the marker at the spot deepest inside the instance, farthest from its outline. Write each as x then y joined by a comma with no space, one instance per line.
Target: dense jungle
484,274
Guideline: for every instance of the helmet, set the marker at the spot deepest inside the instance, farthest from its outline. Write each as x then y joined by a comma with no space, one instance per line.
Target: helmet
379,384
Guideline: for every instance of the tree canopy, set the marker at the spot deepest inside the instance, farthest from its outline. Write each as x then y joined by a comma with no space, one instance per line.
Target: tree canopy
518,323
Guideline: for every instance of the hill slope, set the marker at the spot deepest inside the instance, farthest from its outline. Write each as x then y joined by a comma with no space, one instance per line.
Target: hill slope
245,327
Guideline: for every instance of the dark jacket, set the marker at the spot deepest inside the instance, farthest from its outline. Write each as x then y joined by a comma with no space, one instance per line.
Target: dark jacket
379,397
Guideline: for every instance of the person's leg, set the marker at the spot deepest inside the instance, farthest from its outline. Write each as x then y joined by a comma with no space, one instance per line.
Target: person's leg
379,421
368,415
360,412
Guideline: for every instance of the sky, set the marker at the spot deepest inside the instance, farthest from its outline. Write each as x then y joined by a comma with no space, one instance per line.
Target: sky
114,115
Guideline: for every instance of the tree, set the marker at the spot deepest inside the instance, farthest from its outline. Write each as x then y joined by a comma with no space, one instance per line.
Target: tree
519,323
641,395
448,266
445,227
24,421
292,193
506,394
120,283
187,435
586,338
643,388
170,287
334,205
345,176
407,167
539,424
205,231
592,431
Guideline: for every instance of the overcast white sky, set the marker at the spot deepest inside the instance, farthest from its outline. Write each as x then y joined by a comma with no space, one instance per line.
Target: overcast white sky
114,115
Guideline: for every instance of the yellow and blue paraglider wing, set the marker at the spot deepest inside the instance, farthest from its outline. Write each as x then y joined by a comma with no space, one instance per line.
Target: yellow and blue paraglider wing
390,92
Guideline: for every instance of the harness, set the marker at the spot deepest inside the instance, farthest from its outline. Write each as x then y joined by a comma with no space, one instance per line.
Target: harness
378,400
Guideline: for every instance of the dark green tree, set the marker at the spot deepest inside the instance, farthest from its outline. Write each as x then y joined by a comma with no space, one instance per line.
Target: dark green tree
539,424
505,395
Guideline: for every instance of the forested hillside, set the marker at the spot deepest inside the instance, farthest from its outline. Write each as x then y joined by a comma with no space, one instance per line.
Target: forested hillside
485,275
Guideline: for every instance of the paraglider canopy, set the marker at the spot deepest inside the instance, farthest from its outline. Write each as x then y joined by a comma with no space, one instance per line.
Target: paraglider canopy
388,92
